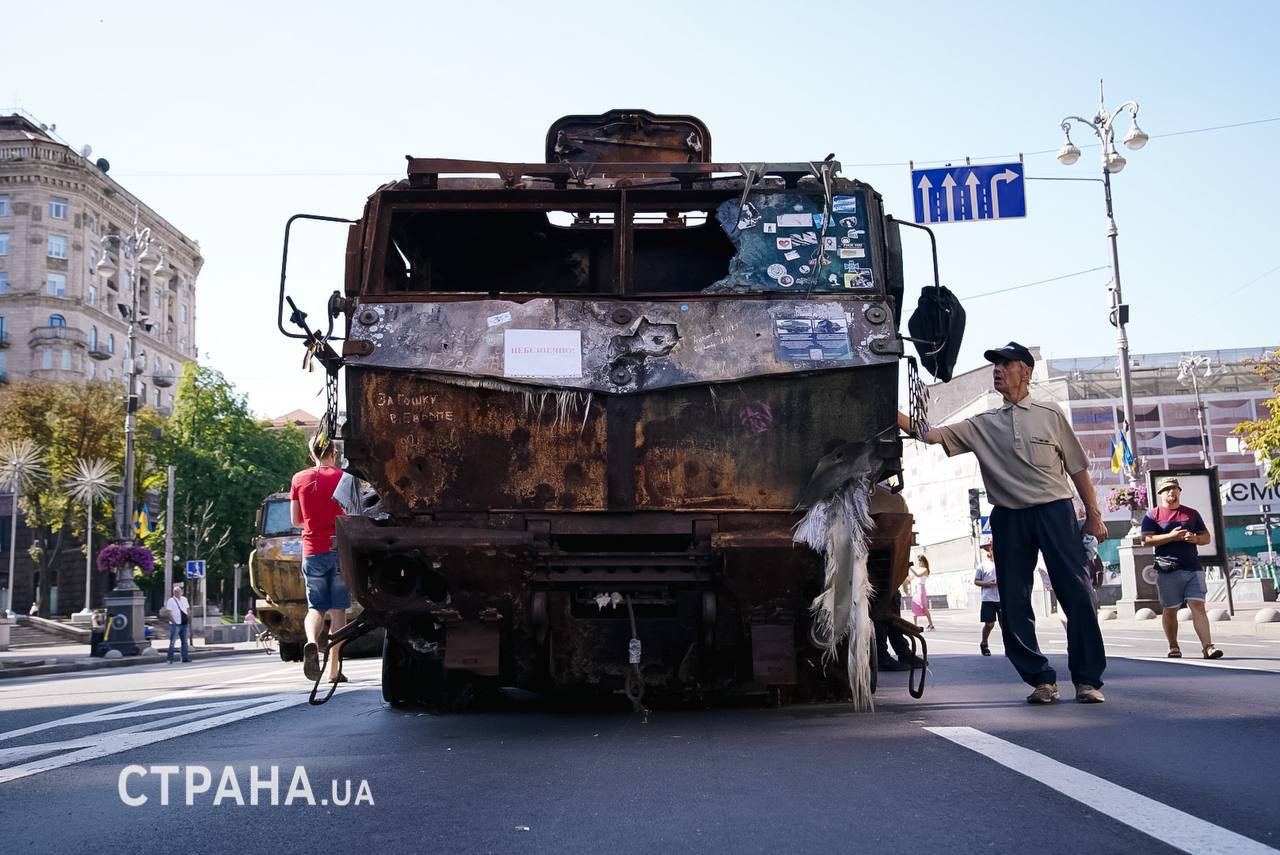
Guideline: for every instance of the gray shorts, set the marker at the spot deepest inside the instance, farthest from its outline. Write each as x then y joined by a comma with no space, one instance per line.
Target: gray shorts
1178,586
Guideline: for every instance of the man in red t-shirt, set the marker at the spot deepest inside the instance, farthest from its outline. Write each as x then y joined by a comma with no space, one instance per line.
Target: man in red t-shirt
313,509
1175,531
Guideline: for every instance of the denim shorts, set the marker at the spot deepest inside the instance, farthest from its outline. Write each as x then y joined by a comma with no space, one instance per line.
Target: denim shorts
1178,586
325,588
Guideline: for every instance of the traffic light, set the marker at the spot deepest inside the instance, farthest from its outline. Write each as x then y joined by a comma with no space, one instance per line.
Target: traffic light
975,512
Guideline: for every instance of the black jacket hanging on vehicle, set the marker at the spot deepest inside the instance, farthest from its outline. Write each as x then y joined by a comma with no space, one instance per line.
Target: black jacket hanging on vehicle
937,326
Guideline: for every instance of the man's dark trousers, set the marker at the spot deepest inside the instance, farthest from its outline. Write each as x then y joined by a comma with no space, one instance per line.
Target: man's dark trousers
1017,536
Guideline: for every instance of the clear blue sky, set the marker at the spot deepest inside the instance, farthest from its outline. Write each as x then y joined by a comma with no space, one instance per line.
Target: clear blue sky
227,118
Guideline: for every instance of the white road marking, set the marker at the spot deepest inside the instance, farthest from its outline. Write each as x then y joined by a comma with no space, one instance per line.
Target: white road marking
1168,825
190,693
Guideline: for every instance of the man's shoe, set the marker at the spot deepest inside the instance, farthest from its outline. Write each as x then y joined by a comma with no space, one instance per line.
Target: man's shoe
1086,694
1045,693
892,665
986,651
311,661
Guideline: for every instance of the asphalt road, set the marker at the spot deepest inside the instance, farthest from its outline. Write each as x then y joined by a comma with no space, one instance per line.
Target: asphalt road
1183,756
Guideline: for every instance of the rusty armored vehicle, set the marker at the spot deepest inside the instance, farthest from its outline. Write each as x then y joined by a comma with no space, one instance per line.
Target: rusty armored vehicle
275,576
590,392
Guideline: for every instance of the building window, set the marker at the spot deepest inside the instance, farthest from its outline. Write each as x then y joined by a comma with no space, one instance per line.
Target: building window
58,208
92,296
57,285
111,344
1,327
182,313
4,282
57,321
57,246
4,243
4,205
157,397
93,338
107,374
46,359
66,360
93,262
92,369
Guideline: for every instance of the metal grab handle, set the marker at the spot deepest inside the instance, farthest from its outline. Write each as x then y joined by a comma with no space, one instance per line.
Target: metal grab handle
350,632
253,575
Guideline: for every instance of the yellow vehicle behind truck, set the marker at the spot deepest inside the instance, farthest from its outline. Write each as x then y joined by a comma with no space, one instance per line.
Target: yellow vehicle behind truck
275,574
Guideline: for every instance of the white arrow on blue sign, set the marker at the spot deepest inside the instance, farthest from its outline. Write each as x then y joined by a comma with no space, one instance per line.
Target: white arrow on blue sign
195,569
957,194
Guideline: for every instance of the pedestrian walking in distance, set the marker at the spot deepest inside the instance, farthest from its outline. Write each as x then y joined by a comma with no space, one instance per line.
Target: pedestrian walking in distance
920,593
985,579
1030,460
1175,530
313,509
179,622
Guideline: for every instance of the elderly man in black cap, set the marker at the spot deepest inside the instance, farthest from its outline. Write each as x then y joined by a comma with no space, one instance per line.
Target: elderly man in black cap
1030,460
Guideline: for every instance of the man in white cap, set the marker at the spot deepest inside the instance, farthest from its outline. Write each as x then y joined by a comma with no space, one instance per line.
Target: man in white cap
985,578
1032,464
1175,530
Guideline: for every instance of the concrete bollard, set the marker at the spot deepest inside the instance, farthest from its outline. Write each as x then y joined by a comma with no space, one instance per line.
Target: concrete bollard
1184,615
1219,615
1267,616
1144,614
1108,614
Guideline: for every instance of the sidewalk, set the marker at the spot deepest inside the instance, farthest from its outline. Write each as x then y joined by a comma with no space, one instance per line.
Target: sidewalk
66,658
1240,626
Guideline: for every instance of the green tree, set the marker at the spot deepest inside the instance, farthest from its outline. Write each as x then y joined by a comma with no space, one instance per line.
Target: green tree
71,422
227,463
1263,435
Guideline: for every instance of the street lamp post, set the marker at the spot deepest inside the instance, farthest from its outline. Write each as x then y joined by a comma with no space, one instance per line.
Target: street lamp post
1187,366
141,252
1103,128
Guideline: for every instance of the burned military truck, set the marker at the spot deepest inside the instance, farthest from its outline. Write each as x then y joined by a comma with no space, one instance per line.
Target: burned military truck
592,394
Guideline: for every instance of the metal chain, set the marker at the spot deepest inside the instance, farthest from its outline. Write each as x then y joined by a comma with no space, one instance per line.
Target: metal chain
918,399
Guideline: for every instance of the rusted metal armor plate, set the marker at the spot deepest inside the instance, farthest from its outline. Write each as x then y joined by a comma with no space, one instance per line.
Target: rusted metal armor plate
619,347
436,444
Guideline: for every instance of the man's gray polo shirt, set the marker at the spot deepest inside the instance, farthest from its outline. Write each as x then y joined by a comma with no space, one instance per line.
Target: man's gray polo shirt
1027,452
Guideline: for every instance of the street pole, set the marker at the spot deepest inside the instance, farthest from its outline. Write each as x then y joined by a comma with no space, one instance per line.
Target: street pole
88,557
168,534
1103,127
1122,335
13,547
131,402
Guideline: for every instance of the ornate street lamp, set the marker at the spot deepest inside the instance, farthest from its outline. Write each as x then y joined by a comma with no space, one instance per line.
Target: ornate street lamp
138,251
21,468
1187,366
1103,127
91,481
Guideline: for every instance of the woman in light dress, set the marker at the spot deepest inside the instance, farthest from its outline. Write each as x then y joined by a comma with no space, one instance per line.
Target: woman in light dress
919,594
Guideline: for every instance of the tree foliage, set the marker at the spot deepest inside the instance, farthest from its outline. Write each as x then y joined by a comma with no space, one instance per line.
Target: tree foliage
70,422
227,463
1263,435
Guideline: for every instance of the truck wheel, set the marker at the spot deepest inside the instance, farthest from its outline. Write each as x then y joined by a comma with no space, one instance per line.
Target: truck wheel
290,651
398,687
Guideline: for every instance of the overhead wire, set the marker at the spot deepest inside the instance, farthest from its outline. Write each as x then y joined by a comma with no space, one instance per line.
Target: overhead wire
883,165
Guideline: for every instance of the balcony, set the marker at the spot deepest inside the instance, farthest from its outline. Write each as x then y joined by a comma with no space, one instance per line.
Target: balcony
44,336
164,381
4,339
99,353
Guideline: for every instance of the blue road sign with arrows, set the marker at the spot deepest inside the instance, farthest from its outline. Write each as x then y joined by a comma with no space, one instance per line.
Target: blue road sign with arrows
195,569
956,194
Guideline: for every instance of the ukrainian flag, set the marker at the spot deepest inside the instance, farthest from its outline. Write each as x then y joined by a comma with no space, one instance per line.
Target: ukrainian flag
1121,456
141,523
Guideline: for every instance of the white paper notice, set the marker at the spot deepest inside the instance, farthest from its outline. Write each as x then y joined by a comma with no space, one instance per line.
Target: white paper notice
542,353
497,320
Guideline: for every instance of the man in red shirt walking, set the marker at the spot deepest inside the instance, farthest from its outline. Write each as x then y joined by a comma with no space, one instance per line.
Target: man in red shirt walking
313,509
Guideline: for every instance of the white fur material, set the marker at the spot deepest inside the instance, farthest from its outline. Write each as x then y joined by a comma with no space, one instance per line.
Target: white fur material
838,529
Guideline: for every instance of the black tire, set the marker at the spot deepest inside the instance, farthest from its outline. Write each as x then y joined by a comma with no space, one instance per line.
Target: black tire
290,651
398,687
410,678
